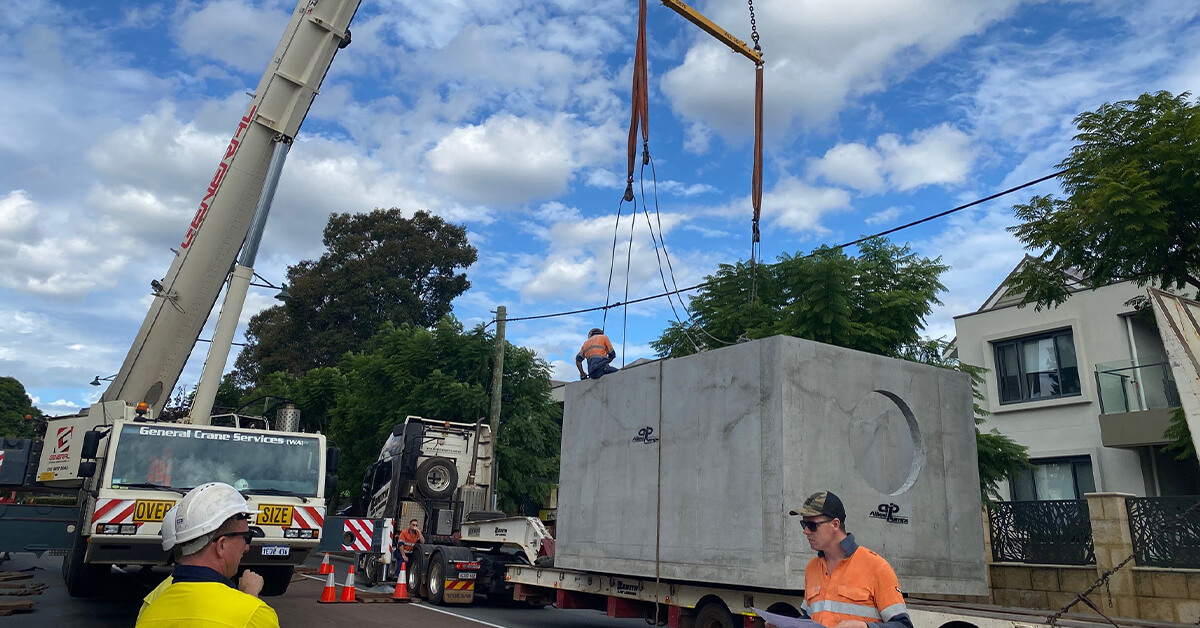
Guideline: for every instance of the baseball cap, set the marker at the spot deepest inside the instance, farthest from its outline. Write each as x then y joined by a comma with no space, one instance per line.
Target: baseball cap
822,503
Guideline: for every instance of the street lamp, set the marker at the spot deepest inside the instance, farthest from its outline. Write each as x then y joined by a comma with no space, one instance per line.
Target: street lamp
283,294
97,379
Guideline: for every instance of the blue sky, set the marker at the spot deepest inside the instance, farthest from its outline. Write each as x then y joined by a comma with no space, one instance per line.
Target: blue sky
509,117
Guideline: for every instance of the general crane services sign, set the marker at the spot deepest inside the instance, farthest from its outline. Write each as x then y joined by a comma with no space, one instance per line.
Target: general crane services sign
214,435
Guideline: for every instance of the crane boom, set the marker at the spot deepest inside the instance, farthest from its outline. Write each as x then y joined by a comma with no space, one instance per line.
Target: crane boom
185,296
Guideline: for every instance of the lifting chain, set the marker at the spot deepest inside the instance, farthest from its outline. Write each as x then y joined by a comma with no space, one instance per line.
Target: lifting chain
753,27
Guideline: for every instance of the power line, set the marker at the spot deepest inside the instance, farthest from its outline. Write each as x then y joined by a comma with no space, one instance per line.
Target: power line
902,227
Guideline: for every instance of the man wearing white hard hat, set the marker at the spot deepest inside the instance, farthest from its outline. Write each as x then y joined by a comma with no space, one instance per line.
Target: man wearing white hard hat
209,531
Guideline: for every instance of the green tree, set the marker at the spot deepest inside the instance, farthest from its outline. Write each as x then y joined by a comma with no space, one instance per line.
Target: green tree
15,404
1132,184
1180,436
378,267
445,373
875,302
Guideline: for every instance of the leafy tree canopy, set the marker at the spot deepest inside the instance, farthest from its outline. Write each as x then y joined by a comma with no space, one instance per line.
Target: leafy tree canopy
14,405
445,373
1132,205
379,267
876,301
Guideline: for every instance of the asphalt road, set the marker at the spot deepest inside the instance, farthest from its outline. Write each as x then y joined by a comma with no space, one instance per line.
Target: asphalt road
118,606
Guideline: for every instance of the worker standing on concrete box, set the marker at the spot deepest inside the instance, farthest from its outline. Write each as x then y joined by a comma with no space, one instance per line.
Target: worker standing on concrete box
599,353
846,586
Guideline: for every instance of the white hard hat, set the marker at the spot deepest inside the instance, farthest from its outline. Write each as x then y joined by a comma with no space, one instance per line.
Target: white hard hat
203,510
168,528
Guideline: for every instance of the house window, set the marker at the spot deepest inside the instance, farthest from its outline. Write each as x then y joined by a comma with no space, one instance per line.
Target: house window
1037,367
1054,478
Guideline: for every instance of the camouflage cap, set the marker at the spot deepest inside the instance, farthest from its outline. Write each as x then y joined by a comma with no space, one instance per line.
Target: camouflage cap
822,503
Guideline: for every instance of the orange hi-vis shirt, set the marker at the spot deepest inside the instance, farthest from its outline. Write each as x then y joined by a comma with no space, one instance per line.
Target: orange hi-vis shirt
862,587
597,346
409,538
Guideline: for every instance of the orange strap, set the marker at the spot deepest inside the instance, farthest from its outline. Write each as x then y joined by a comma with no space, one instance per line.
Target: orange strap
640,110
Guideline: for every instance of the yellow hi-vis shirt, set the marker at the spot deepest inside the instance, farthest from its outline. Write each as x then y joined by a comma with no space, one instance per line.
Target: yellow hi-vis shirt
862,587
153,595
206,605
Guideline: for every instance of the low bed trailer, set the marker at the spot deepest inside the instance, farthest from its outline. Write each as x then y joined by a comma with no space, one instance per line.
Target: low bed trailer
698,605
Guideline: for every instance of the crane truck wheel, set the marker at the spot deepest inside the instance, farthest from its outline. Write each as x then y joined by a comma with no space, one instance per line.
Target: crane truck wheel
413,575
81,578
714,615
437,478
437,578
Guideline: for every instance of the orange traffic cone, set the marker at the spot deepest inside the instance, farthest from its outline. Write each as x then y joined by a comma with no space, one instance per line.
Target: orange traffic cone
348,590
329,593
401,592
326,566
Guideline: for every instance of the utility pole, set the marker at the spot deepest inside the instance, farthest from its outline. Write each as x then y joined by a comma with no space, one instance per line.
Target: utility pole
497,388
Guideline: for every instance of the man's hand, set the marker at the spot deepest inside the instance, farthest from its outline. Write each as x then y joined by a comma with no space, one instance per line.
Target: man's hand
851,623
250,583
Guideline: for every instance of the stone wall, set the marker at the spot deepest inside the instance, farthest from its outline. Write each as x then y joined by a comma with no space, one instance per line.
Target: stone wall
1170,595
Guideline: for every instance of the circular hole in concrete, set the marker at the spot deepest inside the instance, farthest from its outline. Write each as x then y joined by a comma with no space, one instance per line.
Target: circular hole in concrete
885,442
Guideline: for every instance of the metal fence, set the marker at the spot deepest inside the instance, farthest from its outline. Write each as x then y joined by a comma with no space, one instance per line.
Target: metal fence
1055,532
1165,531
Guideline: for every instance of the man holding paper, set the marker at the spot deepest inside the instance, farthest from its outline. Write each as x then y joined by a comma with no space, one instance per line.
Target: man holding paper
845,586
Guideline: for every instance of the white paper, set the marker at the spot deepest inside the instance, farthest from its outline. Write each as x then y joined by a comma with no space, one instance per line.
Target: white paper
785,622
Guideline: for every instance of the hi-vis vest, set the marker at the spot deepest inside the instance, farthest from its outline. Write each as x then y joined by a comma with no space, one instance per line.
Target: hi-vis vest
206,605
597,346
862,587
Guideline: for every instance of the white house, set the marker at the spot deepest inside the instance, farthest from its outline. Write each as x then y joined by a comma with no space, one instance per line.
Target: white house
1085,386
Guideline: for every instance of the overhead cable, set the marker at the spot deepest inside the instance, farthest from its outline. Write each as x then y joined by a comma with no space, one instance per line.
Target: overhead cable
902,227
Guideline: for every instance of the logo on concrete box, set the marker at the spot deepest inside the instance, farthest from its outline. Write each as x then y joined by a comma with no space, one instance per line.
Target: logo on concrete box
645,435
889,513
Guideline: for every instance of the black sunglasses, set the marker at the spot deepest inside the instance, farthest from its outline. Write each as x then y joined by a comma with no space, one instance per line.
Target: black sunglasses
247,536
812,526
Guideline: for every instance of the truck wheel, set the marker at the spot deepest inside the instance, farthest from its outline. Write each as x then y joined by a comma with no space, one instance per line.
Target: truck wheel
714,615
276,578
437,478
413,575
437,578
82,579
369,566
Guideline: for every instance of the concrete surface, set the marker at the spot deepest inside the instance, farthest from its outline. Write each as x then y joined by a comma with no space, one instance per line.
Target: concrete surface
744,434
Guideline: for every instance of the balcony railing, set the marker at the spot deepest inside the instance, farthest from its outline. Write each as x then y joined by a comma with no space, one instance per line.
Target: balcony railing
1126,387
1055,532
1165,531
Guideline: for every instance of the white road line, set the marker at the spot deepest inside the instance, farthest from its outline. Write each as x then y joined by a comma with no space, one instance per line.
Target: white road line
424,606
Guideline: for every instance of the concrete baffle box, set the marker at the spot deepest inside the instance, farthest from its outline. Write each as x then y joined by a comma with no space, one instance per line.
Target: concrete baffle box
697,461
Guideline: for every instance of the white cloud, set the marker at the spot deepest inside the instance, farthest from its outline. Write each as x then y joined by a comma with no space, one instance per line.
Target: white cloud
792,204
940,155
819,56
507,159
232,32
886,216
853,165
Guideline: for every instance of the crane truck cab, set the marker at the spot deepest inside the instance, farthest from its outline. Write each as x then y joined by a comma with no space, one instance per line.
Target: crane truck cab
132,470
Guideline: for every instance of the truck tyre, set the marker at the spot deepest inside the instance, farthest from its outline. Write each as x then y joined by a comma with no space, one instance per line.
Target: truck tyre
714,615
437,578
276,578
368,565
82,579
437,478
413,575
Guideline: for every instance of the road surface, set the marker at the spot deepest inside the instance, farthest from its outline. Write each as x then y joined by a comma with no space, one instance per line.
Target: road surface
118,606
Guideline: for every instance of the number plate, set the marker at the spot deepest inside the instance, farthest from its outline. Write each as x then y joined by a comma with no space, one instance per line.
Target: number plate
276,550
149,510
466,575
275,516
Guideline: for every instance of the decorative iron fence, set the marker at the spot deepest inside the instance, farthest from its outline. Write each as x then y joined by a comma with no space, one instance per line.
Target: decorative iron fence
1165,531
1055,532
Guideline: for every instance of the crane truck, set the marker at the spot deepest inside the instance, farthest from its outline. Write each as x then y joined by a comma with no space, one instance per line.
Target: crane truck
125,465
